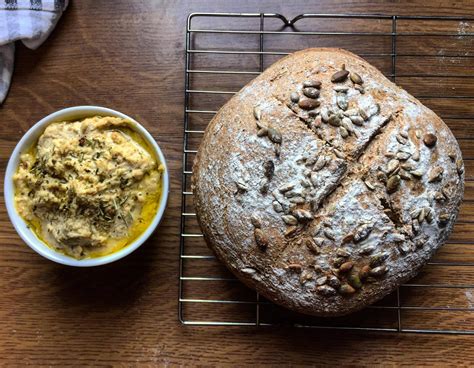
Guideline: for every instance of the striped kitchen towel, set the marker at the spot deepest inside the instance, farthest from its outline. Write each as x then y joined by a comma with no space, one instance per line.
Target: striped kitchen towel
30,21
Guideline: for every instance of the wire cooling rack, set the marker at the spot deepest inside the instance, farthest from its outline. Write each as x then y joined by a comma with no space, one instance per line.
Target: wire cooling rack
431,57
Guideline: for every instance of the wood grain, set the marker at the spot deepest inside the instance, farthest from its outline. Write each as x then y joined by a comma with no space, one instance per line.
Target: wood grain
129,55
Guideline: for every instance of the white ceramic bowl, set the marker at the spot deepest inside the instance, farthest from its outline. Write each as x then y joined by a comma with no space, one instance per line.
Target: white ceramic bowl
30,138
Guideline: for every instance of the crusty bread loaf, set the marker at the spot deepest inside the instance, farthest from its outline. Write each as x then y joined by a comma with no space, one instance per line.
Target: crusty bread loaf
324,186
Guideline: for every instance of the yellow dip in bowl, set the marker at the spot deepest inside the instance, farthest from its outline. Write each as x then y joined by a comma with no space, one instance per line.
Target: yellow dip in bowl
89,187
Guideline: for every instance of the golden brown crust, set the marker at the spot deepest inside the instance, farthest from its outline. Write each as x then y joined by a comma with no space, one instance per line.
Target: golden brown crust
325,199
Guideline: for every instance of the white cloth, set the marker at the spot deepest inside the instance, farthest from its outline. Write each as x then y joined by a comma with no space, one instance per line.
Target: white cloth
30,21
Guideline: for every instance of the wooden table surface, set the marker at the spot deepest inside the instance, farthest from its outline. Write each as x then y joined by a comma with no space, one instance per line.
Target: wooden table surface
129,55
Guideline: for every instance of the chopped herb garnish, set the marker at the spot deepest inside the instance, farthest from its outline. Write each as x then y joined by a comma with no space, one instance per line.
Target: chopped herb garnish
123,218
124,182
115,204
124,200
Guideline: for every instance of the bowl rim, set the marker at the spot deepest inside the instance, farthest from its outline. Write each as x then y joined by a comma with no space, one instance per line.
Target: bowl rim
21,226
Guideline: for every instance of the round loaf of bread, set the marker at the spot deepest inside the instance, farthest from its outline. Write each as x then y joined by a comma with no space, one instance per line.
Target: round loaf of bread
323,185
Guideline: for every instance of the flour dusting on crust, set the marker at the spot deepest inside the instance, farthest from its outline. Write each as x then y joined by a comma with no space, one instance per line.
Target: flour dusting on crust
324,186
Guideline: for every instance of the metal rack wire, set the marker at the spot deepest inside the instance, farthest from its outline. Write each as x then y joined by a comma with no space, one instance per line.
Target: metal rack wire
225,50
